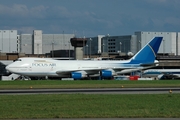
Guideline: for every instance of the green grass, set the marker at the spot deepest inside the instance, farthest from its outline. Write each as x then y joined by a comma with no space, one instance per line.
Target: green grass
87,84
89,106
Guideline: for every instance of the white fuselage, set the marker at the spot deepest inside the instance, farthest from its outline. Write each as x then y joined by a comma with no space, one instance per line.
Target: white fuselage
159,72
50,67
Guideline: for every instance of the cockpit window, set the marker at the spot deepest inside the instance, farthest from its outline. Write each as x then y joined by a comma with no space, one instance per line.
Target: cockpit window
17,60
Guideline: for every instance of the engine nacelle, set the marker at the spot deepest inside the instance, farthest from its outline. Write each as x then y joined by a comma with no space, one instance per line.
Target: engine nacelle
107,73
78,75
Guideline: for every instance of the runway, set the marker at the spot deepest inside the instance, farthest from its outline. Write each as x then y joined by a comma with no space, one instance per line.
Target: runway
93,91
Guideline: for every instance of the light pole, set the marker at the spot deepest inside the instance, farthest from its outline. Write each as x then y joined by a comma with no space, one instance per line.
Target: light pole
23,48
139,45
87,50
52,49
63,40
107,44
90,48
84,47
120,46
69,49
37,49
103,47
163,46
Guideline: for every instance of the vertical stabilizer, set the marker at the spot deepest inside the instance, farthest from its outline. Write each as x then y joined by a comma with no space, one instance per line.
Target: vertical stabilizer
148,53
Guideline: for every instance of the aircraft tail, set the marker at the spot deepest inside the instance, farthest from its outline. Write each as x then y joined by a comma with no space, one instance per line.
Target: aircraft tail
147,54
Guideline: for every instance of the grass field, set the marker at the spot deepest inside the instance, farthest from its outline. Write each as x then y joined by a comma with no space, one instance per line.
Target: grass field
87,84
89,106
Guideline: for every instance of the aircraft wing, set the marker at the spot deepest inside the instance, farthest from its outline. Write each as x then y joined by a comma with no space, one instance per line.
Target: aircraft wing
66,72
78,74
95,72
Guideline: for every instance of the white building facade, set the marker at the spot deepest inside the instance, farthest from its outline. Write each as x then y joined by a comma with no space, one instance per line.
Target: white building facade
8,41
40,43
168,45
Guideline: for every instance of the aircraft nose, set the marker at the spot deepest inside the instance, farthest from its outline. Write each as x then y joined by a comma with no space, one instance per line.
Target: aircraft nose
7,68
11,68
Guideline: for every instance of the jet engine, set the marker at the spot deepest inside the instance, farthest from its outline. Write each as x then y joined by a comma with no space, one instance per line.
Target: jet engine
107,73
78,75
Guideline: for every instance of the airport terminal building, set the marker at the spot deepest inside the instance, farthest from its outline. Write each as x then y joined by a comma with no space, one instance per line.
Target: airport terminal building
101,45
133,43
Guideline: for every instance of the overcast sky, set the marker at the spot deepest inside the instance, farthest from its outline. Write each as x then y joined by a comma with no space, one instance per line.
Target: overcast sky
90,17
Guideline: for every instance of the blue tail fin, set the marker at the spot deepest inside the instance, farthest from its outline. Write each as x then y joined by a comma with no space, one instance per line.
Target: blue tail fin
148,53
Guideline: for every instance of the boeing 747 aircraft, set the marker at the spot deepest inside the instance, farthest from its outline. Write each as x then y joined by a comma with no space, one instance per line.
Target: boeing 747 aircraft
78,69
